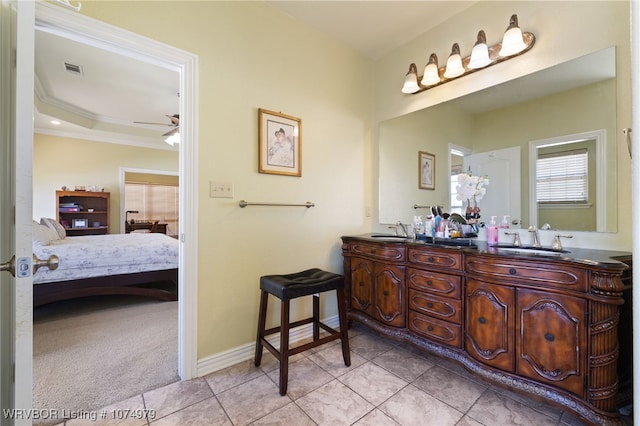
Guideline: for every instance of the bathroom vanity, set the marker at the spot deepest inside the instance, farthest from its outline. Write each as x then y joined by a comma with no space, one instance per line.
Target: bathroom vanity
546,324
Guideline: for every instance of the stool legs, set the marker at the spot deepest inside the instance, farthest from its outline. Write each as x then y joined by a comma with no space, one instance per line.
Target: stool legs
262,319
284,346
285,352
344,335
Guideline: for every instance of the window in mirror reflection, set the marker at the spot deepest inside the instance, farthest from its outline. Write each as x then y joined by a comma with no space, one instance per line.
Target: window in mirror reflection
562,177
456,160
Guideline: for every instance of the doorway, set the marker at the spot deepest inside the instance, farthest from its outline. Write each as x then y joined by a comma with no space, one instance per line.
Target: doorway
87,30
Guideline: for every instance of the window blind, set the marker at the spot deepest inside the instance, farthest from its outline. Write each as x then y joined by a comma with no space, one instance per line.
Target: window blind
562,177
154,202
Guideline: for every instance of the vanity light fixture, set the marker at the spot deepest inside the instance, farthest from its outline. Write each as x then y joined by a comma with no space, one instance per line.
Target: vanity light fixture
431,74
480,53
514,43
454,63
411,80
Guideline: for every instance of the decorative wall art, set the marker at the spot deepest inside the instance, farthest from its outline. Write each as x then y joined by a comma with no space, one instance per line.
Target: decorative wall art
280,143
426,170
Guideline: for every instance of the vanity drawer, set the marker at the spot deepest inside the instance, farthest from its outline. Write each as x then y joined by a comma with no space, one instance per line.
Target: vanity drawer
391,251
434,282
435,329
435,258
548,274
440,307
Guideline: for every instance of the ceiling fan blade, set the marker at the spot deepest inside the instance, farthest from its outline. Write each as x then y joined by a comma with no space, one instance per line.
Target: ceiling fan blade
172,132
155,124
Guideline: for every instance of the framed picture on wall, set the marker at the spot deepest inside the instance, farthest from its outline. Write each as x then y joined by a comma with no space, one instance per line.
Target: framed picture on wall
426,170
279,143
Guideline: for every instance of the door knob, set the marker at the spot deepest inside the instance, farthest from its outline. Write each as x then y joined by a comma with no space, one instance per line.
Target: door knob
9,266
52,263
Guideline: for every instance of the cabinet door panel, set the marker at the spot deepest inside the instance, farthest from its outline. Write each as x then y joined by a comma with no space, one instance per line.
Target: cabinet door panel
490,324
551,339
362,285
389,291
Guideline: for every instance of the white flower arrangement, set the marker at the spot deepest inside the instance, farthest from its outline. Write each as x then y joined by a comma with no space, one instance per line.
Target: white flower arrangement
471,187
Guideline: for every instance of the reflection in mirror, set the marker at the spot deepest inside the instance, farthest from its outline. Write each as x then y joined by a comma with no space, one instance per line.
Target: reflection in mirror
564,178
574,97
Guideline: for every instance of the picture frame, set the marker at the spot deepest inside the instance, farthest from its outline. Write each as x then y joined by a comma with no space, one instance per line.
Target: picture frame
279,143
426,170
80,223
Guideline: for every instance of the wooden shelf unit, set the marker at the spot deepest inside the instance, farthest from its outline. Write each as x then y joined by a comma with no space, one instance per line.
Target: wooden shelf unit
97,220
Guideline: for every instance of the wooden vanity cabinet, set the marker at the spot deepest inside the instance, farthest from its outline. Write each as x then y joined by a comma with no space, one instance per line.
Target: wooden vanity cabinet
551,339
490,324
434,285
544,326
377,282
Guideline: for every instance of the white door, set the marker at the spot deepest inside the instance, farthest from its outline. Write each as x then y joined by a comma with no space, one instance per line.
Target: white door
16,144
503,193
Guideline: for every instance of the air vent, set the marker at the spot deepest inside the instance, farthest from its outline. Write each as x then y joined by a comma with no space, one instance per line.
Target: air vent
73,69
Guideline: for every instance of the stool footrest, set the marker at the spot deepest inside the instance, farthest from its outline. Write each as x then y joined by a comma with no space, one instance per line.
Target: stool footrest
292,325
292,351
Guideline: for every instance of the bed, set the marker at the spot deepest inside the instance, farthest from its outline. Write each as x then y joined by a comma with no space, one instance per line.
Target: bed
144,264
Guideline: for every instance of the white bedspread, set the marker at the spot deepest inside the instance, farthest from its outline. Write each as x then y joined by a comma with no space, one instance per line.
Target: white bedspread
102,255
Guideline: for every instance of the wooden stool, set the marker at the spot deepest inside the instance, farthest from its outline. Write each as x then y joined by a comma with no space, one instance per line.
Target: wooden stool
287,287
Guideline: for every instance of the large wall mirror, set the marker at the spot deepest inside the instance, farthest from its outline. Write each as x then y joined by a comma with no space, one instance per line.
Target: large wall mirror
577,97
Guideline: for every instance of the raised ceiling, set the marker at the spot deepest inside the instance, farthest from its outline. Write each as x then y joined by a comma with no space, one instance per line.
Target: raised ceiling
112,92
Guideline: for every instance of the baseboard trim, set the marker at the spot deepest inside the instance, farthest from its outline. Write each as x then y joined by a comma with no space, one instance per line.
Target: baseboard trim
238,354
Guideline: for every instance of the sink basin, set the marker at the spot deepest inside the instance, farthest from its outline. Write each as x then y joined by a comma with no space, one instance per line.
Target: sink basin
532,250
389,237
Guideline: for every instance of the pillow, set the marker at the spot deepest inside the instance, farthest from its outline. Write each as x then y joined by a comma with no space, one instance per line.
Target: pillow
43,235
54,226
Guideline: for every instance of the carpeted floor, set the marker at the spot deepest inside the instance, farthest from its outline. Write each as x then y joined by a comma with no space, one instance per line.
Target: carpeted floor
92,352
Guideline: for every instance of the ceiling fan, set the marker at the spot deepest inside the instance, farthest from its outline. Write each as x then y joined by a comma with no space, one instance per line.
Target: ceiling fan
175,123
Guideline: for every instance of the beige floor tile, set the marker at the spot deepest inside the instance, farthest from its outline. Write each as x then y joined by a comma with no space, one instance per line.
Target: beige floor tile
369,346
468,421
459,392
404,363
290,414
376,418
176,396
229,377
334,404
304,377
204,413
373,383
252,400
495,409
332,361
412,406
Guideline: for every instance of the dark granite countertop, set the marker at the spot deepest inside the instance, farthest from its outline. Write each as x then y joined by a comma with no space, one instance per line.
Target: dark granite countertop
592,257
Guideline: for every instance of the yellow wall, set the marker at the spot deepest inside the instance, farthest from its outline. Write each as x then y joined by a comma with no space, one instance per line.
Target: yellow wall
59,161
252,56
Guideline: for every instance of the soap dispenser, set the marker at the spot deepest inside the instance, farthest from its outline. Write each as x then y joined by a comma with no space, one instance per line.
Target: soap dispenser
505,222
492,232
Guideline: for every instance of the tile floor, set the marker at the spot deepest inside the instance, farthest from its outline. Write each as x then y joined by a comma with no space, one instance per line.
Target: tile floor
386,384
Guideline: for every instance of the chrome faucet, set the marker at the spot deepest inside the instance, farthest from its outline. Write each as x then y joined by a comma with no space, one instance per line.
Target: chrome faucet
402,226
535,237
516,238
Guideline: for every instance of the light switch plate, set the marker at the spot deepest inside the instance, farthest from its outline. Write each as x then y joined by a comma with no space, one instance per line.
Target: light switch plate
220,189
